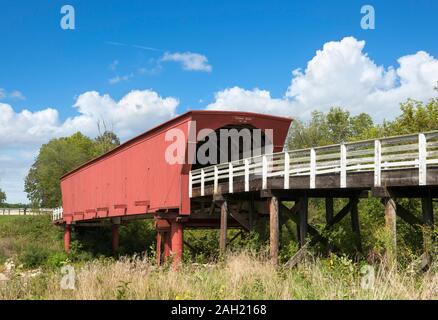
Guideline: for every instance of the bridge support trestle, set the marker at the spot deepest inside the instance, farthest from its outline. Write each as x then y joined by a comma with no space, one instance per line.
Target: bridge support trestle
391,227
223,226
67,237
177,241
427,209
274,226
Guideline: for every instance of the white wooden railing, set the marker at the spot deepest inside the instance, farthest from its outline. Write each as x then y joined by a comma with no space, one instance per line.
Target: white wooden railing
416,151
24,211
57,214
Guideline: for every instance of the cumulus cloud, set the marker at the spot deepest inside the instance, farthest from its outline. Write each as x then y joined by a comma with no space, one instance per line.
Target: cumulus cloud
134,113
22,133
342,74
190,61
238,99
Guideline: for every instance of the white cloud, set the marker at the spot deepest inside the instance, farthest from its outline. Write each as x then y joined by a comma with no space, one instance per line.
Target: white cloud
342,74
15,94
118,79
134,113
238,99
22,133
190,61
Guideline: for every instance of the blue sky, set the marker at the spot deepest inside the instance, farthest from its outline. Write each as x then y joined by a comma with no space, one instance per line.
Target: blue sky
250,49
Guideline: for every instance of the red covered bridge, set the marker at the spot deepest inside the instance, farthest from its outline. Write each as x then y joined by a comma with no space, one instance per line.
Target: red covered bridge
137,180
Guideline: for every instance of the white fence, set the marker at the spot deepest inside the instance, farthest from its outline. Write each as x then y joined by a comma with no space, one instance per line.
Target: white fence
415,151
24,211
57,214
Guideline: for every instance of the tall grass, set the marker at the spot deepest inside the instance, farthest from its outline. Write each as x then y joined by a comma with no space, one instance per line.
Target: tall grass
242,275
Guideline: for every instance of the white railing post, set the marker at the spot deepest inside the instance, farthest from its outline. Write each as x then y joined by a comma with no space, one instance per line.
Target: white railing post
264,172
246,175
230,178
286,170
343,161
312,168
377,163
202,182
216,179
190,184
422,160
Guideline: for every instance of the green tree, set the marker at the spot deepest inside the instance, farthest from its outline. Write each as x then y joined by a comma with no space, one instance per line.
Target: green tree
2,197
106,142
336,126
415,116
55,159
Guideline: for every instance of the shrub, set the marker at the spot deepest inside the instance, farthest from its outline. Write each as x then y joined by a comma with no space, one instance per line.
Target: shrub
33,256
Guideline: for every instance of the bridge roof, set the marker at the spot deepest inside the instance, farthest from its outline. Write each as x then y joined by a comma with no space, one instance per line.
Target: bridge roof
169,123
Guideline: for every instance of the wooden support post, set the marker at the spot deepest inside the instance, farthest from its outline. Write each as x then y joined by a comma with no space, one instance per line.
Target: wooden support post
251,214
328,210
427,208
329,213
223,227
303,213
158,248
177,236
355,226
167,245
115,236
274,226
67,238
391,227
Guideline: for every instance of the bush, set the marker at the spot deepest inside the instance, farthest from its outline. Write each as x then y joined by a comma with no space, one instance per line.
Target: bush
57,259
33,256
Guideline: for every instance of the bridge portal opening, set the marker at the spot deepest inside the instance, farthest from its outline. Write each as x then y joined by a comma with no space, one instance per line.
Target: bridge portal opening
231,143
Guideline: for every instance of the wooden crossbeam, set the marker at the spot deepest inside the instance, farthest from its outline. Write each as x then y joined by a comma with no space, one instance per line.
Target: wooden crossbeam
240,217
190,247
407,216
292,213
235,236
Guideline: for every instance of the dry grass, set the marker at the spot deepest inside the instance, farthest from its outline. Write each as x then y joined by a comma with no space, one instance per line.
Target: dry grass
239,276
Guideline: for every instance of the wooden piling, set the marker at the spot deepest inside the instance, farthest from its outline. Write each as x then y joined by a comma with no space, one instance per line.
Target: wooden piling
274,234
355,226
427,209
391,227
223,227
303,213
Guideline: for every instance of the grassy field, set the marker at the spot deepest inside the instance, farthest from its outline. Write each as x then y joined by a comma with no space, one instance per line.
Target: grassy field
239,276
33,243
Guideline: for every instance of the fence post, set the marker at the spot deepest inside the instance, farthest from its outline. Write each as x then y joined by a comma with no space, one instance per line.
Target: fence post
343,166
190,183
246,175
286,170
216,179
230,177
377,163
202,182
422,158
312,168
264,172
